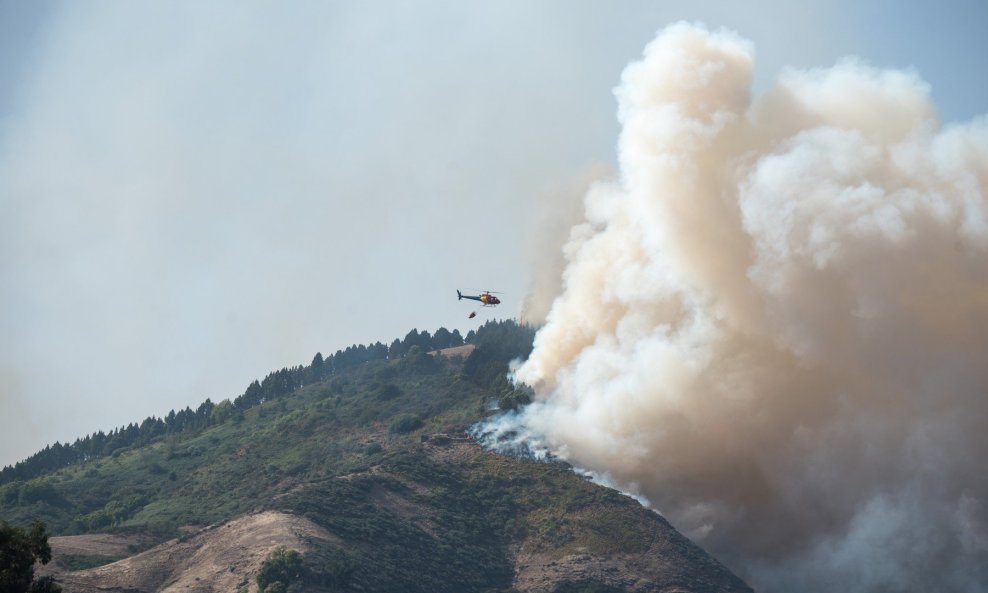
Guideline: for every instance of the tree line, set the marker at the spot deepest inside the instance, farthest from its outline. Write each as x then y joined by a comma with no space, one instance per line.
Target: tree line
276,384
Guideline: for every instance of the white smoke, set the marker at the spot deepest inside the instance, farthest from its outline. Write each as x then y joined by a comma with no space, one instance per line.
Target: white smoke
775,325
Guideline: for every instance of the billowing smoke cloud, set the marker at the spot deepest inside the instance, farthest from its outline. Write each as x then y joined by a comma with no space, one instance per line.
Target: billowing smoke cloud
560,209
775,325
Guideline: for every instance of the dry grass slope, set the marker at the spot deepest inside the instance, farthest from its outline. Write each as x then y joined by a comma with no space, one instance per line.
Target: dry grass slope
217,559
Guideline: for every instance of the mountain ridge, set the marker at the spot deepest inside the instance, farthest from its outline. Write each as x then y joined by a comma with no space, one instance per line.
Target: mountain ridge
375,459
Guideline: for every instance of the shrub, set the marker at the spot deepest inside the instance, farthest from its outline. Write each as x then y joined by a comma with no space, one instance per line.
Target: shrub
514,399
389,391
404,423
282,568
419,362
334,570
39,491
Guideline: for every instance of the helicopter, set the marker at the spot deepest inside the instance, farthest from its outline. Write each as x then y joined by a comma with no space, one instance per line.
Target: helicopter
487,298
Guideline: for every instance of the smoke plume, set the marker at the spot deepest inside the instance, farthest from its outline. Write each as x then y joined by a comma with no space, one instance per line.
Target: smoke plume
558,211
774,326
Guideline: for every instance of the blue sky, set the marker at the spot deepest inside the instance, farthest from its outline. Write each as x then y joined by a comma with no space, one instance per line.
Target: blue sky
194,195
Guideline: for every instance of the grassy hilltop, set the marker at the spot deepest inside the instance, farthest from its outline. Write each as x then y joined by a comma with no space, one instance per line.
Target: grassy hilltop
364,460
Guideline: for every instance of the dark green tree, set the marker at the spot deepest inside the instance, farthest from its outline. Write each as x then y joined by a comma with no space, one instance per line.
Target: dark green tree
498,342
19,550
420,362
377,351
416,338
515,398
442,339
282,568
317,370
222,412
397,350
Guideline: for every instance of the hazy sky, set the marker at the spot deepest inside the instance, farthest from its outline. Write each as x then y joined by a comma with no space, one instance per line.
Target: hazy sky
193,195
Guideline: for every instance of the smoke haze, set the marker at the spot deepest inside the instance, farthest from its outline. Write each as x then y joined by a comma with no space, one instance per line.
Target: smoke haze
774,326
194,194
559,210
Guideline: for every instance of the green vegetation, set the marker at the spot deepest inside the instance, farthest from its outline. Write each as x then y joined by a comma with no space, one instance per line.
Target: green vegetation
282,569
240,455
405,423
275,385
315,432
287,570
367,444
19,550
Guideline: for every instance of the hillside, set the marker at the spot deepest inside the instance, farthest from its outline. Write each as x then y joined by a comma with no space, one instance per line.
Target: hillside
368,471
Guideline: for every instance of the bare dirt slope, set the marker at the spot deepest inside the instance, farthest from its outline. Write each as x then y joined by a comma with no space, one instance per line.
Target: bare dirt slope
93,545
462,351
222,558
